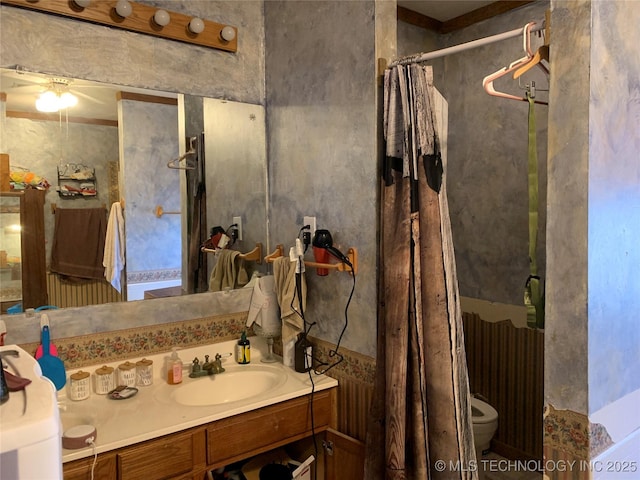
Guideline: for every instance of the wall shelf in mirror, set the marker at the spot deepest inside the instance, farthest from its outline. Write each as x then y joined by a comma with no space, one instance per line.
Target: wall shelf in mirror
254,255
76,180
352,255
141,18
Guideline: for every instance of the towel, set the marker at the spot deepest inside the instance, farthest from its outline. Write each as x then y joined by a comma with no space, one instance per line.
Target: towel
284,273
229,271
113,259
263,309
78,243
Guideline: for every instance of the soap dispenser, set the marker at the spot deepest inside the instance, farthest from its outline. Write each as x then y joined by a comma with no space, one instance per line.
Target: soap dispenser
174,368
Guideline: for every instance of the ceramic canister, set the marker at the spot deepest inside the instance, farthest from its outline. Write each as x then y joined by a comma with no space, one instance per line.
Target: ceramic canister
80,385
127,374
144,372
104,380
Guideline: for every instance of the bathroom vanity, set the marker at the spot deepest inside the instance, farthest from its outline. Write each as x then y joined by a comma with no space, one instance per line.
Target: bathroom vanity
191,453
171,431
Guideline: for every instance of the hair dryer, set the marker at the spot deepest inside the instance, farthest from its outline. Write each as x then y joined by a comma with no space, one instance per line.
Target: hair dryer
322,246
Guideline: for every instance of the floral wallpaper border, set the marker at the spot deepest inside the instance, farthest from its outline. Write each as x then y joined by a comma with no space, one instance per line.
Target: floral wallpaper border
573,433
153,275
117,345
355,366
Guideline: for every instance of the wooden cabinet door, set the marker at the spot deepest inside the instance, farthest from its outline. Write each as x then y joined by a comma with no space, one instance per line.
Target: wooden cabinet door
105,468
241,436
344,457
165,457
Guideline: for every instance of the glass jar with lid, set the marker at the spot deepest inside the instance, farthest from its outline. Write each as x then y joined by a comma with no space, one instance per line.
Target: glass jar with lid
144,372
105,380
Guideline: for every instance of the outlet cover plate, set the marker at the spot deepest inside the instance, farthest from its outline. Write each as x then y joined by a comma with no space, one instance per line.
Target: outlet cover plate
311,221
238,221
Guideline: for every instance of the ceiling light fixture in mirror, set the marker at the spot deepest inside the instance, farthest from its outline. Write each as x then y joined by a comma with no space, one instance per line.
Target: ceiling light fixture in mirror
57,97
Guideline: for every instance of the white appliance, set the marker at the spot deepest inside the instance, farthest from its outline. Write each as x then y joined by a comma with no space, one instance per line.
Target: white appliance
30,428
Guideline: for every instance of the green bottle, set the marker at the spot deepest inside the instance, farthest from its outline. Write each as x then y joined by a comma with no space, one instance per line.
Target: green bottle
243,350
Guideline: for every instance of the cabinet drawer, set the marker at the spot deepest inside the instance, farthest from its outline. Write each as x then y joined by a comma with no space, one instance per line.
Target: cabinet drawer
165,457
105,468
240,436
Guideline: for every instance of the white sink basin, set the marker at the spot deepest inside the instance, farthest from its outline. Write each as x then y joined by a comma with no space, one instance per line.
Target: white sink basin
229,386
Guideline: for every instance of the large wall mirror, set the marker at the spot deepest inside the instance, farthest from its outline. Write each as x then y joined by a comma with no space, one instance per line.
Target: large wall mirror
115,144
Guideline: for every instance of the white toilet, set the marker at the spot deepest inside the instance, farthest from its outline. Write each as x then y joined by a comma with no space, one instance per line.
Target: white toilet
485,424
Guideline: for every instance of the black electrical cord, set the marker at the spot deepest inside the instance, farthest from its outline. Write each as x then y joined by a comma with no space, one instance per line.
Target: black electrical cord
300,313
334,352
313,422
306,236
307,327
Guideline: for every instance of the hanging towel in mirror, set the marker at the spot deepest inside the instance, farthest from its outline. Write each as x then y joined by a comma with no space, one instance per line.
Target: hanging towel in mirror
78,243
229,271
113,259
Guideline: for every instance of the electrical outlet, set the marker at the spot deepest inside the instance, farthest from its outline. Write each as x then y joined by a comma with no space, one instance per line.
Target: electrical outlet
238,222
311,221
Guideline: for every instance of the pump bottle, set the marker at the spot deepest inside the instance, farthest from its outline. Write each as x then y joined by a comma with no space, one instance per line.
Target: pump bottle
174,368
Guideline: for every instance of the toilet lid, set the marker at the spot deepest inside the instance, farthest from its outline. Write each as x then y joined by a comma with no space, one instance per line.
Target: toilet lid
482,412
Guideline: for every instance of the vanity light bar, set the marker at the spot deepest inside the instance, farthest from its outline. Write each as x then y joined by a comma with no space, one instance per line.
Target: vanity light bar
140,18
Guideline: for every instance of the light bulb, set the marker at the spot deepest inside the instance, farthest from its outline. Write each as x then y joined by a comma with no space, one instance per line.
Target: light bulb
162,18
196,25
67,100
228,33
47,102
82,3
123,8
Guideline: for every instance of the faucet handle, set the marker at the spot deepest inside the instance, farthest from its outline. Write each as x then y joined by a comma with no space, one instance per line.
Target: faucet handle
218,362
195,366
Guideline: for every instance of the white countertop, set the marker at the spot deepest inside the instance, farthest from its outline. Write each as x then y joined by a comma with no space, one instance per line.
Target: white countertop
154,412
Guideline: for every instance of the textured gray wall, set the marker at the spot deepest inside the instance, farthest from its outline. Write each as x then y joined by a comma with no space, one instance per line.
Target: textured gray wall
236,167
51,44
41,146
566,341
487,182
321,125
487,167
614,203
148,140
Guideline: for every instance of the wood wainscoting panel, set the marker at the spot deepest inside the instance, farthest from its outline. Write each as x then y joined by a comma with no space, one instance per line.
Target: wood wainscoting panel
94,292
506,368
